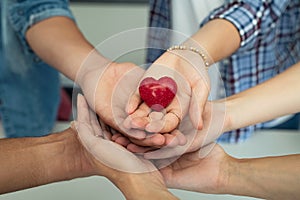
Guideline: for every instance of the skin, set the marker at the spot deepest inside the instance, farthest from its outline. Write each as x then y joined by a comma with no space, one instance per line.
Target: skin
31,162
100,76
221,173
191,67
30,158
193,96
268,177
136,177
225,179
97,76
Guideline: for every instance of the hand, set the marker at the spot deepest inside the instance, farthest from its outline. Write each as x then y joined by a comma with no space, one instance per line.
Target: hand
214,123
115,162
202,171
107,87
92,134
187,69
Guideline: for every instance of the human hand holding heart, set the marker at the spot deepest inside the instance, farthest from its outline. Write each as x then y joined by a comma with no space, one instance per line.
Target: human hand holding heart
161,89
188,71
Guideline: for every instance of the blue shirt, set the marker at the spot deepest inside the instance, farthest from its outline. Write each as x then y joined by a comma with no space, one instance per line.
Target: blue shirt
270,43
29,88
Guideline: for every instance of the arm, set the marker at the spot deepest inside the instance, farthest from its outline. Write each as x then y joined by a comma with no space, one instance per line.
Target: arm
232,27
209,39
267,178
136,177
30,162
63,48
218,173
276,97
59,42
192,81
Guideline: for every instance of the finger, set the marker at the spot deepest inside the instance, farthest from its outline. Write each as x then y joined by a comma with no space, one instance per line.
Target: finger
138,149
165,152
175,138
82,110
107,131
135,134
73,125
140,114
140,123
156,115
182,140
156,126
97,129
199,97
169,122
133,102
86,115
115,136
171,140
122,141
85,132
155,139
88,140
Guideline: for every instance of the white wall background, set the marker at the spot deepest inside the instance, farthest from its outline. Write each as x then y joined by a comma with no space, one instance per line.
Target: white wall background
99,21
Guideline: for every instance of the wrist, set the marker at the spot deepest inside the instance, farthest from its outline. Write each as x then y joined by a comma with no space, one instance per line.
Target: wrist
241,179
139,186
185,63
66,160
91,68
199,51
231,121
231,179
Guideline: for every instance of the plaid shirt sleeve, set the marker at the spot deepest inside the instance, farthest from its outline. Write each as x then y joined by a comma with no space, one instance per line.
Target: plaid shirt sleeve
251,18
262,27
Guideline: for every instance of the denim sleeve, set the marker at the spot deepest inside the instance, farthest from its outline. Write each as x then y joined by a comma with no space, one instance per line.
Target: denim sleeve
251,18
22,14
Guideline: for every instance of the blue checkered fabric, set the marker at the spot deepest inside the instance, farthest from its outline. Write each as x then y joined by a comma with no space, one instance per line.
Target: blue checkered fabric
270,43
158,37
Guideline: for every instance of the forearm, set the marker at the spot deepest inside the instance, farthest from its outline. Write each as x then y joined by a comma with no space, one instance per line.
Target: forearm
211,38
277,97
267,178
59,42
30,162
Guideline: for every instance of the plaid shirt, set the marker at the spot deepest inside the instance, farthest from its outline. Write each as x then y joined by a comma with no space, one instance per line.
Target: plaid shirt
270,43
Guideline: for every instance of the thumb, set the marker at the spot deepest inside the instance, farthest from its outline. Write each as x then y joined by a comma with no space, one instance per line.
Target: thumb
198,100
73,126
133,102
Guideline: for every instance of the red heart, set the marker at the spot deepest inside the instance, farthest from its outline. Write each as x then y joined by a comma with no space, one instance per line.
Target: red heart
158,94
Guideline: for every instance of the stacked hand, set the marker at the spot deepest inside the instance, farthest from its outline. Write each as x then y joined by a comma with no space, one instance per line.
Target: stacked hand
183,126
130,172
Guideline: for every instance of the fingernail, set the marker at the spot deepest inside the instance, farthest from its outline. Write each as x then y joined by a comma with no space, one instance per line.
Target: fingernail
73,125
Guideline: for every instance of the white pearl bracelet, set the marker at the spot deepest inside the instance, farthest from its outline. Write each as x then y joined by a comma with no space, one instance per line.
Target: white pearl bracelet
193,49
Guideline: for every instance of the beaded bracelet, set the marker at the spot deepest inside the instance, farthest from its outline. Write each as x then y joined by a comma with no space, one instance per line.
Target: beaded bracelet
193,49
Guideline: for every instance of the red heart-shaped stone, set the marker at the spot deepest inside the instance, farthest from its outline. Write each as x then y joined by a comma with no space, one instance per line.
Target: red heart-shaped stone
158,94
